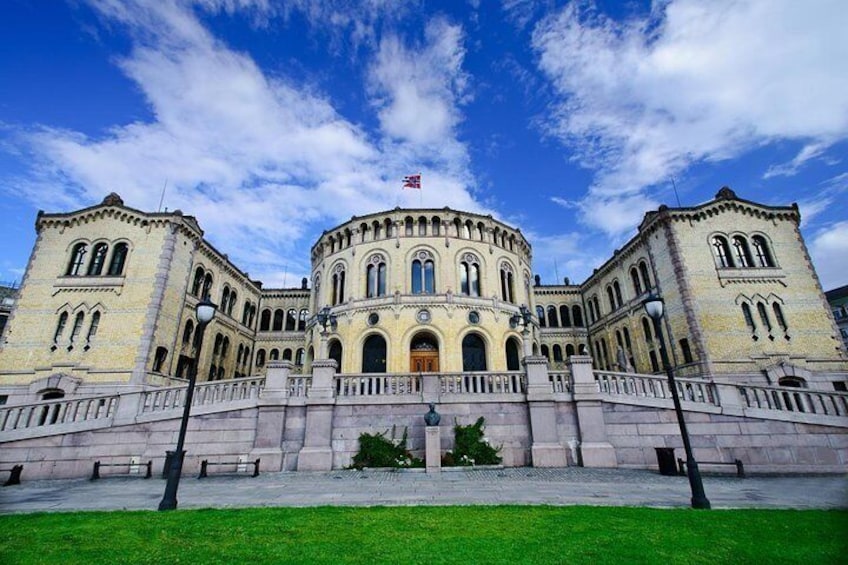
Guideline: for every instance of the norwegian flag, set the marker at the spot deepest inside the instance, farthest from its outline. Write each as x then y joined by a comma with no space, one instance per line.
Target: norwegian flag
412,181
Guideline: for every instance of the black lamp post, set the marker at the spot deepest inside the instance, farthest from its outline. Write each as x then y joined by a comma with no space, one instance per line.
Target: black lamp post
205,311
525,318
654,308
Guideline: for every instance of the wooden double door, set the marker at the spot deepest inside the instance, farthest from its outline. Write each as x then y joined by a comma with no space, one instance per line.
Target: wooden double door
424,361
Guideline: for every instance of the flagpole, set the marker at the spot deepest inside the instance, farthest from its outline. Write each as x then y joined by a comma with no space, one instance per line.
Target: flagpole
421,190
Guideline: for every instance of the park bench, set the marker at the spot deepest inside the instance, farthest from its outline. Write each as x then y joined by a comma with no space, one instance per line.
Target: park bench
95,474
740,469
205,464
14,475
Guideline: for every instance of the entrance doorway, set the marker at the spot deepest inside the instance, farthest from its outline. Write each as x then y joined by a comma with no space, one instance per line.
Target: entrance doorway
424,354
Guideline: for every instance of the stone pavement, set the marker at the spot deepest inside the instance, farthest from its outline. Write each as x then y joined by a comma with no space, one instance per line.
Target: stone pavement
569,486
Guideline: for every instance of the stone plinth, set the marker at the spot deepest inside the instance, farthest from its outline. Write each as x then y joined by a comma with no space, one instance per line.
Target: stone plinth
433,448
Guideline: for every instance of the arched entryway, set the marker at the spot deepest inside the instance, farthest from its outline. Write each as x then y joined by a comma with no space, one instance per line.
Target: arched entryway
374,354
513,362
424,353
473,353
336,353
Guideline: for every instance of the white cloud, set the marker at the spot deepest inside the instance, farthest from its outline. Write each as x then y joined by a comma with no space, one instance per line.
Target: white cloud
265,164
642,100
828,248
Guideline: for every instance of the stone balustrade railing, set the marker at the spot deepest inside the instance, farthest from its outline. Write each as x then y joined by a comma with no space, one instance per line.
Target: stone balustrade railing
560,381
299,385
507,382
57,412
378,384
207,393
786,399
652,386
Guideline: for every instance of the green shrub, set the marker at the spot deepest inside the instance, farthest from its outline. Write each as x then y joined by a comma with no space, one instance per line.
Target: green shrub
470,447
376,450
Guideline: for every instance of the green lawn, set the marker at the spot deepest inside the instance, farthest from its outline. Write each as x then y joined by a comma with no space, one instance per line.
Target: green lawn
446,534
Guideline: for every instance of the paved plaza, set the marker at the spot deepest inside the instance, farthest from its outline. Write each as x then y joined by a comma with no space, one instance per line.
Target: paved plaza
569,486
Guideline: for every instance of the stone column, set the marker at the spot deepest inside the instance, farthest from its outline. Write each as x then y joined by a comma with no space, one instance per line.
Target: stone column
317,453
730,400
545,449
271,418
595,449
433,448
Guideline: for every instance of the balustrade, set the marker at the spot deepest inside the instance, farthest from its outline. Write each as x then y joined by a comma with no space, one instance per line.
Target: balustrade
299,385
207,393
56,412
792,399
512,382
652,386
378,384
560,381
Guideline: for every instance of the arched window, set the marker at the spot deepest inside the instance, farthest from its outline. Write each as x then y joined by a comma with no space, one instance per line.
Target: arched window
287,354
338,285
77,259
611,299
274,355
742,253
265,320
564,318
507,283
159,359
778,314
408,226
473,353
98,258
260,358
279,318
646,329
553,319
207,285
374,354
540,313
388,226
646,280
302,319
119,259
721,251
375,275
469,274
187,332
597,305
481,231
437,225
513,362
422,226
231,306
761,250
546,352
92,328
198,282
225,298
619,301
77,329
761,308
749,319
363,229
637,284
423,273
577,316
335,352
291,320
298,358
60,327
466,229
557,350
569,350
375,228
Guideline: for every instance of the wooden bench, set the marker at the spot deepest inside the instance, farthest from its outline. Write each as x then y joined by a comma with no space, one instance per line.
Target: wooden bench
95,474
14,475
740,469
204,465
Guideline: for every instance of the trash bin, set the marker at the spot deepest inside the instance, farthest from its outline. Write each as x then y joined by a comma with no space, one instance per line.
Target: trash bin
665,460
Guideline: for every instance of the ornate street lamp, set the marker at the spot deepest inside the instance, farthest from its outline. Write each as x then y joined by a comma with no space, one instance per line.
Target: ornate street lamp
325,318
205,311
525,318
654,308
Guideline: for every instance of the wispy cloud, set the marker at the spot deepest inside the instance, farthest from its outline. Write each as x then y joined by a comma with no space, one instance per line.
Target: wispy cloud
828,243
642,100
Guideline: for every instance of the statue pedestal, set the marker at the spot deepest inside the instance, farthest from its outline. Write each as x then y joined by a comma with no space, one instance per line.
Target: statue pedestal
433,449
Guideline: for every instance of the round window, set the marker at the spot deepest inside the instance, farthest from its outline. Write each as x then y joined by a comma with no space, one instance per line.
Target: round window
373,319
423,316
474,317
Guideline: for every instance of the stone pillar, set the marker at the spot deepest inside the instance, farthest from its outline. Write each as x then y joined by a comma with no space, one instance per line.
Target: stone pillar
317,453
433,448
545,449
129,407
595,449
271,418
431,388
729,399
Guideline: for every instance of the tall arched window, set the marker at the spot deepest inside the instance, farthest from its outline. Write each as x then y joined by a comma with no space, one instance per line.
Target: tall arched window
507,283
564,318
778,314
77,329
77,259
287,354
646,329
98,259
423,273
761,250
335,352
611,299
375,230
265,320
291,320
279,319
577,316
553,319
338,285
92,328
119,259
637,284
60,327
422,226
197,286
159,359
569,350
188,331
646,280
540,313
408,226
749,319
388,227
742,253
232,304
225,298
545,352
260,358
437,225
721,251
375,275
374,354
469,273
302,319
473,353
298,358
207,285
274,355
557,351
513,362
616,288
761,308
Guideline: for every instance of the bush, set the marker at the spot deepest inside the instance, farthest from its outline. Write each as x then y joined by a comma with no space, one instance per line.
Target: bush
470,447
379,451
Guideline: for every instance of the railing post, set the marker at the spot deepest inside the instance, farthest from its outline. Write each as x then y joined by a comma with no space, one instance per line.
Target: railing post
271,416
129,407
595,448
730,399
317,453
545,449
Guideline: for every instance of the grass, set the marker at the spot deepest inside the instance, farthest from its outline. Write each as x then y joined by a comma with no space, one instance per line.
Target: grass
443,534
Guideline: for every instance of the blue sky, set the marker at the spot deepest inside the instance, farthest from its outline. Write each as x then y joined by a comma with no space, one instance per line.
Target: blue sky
272,121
